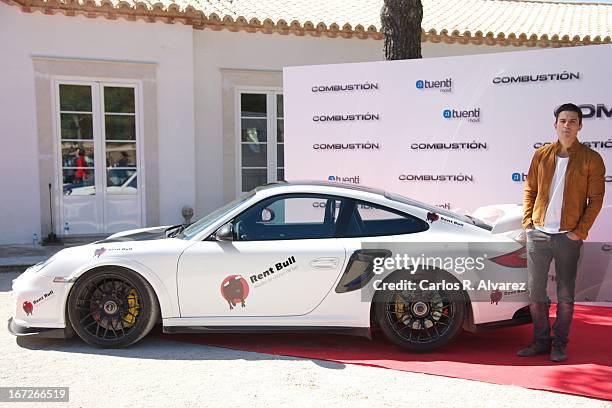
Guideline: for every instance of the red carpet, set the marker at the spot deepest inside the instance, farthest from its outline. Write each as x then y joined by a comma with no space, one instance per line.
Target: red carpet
488,357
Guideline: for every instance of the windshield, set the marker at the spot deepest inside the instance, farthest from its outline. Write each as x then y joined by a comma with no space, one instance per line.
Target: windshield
208,220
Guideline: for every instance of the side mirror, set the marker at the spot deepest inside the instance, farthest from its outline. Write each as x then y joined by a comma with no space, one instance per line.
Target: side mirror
225,233
267,215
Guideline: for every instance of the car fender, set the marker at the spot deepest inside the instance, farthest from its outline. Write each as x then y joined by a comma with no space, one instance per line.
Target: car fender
168,307
386,276
481,310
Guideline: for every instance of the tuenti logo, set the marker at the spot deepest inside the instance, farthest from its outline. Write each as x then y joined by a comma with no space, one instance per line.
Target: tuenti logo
472,115
458,178
366,86
350,179
529,78
444,85
523,177
346,146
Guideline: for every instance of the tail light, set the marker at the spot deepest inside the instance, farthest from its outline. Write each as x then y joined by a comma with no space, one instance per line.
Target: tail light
514,259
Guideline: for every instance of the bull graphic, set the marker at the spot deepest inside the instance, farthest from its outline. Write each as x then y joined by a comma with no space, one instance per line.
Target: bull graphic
234,290
496,296
99,252
431,217
28,307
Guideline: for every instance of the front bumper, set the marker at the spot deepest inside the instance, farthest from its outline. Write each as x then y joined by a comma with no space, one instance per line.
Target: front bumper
43,332
38,305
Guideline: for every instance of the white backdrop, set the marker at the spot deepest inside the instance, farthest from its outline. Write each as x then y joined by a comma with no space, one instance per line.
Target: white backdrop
385,124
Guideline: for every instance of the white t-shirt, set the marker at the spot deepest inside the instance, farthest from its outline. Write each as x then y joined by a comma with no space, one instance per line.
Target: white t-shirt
552,219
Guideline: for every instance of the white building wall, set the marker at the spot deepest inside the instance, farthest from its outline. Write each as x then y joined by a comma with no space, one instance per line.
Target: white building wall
217,50
24,35
189,101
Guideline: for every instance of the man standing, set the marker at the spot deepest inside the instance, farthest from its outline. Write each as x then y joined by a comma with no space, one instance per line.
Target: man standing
563,195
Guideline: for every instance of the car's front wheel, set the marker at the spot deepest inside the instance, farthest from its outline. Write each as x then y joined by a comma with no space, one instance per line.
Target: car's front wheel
419,320
112,308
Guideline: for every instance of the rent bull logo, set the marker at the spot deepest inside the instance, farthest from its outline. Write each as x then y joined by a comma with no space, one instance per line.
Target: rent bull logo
496,296
279,266
28,307
432,217
234,290
98,252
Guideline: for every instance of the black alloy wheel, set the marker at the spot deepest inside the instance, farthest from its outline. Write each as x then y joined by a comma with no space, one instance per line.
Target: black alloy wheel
112,308
420,320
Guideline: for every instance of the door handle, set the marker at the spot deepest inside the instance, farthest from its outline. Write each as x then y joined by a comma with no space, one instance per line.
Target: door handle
606,247
324,263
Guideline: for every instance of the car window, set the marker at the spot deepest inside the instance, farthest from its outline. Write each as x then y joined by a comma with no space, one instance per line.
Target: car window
365,219
289,217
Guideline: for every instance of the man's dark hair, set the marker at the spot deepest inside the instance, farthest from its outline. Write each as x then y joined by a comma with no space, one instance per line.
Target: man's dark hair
568,107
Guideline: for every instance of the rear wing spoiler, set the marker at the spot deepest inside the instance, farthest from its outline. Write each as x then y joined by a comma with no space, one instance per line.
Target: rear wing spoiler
501,217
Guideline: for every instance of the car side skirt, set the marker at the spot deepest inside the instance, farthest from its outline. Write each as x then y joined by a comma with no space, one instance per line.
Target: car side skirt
352,331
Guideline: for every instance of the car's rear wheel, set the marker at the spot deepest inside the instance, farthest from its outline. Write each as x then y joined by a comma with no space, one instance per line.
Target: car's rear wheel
420,320
112,308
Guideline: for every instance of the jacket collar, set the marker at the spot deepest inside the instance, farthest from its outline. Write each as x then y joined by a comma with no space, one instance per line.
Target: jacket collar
572,149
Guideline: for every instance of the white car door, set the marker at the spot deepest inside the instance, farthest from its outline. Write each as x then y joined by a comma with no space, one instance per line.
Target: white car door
282,262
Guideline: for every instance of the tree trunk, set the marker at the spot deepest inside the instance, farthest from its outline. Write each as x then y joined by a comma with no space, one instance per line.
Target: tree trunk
401,28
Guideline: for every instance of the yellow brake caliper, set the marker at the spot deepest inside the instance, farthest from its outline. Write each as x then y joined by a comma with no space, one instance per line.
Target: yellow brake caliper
130,317
399,307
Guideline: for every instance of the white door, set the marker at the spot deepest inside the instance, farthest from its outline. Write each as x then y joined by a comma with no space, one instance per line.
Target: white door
98,133
283,262
267,278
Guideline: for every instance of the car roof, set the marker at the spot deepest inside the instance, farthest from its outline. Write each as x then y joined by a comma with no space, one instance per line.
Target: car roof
398,198
310,183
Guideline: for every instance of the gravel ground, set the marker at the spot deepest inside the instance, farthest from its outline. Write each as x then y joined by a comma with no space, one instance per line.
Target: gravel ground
160,372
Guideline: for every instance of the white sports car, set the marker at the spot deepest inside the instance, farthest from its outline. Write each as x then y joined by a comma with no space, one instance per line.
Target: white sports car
287,257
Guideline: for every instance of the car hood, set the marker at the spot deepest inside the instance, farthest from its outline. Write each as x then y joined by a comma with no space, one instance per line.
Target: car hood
142,234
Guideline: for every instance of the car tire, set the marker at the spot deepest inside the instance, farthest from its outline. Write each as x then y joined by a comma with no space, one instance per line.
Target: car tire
420,321
112,308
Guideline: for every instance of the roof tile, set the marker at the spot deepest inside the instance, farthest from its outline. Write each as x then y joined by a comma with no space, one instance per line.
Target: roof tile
500,18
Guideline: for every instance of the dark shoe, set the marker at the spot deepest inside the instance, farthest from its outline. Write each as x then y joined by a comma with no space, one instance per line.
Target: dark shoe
534,349
557,354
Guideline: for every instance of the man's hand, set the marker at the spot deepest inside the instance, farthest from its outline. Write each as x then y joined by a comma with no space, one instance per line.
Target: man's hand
522,237
572,236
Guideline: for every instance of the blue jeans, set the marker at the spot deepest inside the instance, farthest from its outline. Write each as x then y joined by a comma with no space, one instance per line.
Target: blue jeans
542,248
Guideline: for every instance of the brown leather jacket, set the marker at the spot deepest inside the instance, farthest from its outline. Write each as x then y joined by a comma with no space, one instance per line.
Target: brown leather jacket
583,192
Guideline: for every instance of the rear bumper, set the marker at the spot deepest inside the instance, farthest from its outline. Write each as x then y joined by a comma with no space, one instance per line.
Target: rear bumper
521,316
43,332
